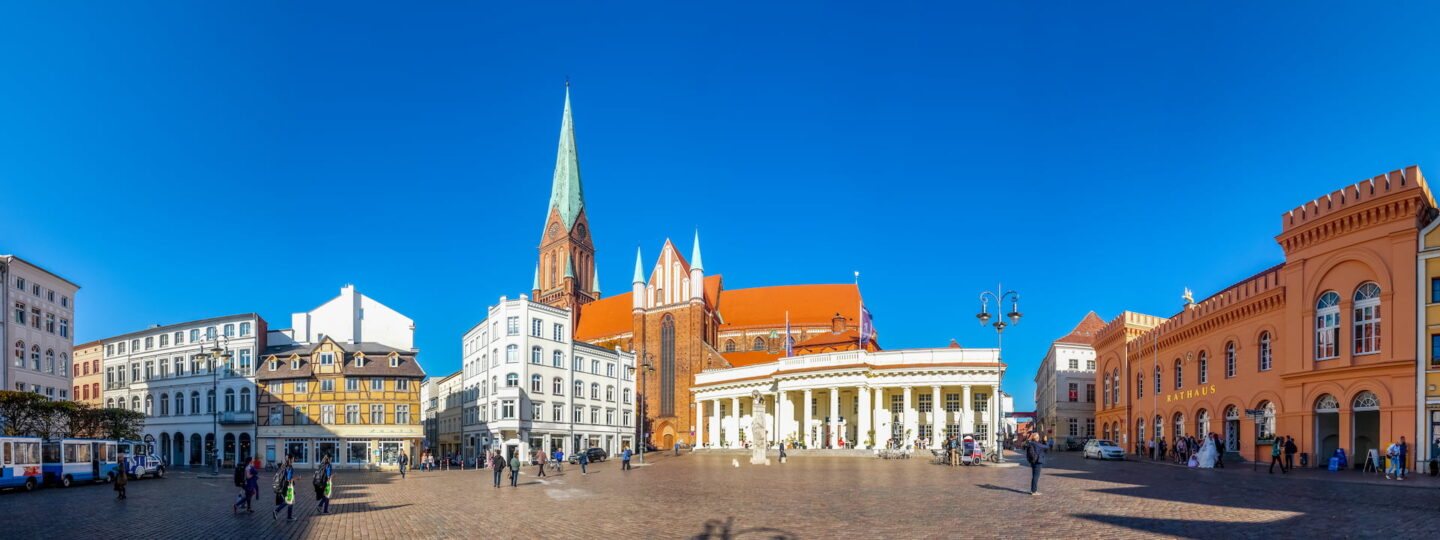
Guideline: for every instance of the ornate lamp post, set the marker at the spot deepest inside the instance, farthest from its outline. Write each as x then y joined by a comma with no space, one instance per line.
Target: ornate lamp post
640,402
216,355
1000,325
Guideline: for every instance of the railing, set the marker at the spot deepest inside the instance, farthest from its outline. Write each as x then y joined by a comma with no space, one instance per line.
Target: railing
904,357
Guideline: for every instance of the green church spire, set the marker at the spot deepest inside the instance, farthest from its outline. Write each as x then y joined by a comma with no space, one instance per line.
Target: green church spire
566,193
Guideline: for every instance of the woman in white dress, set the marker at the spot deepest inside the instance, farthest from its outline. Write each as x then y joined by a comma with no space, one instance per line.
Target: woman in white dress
1206,456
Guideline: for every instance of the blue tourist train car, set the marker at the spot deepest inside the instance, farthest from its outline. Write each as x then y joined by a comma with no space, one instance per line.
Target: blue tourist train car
20,462
66,461
140,461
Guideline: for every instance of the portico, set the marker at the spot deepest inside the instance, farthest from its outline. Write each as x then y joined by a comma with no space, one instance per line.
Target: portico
855,399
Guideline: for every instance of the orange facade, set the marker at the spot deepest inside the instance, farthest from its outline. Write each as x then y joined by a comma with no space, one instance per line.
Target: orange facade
1323,344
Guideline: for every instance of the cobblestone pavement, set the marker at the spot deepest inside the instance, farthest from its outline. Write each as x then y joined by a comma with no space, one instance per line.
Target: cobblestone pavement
700,496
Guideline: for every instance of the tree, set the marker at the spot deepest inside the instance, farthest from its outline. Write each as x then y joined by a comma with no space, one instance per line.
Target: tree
116,424
18,412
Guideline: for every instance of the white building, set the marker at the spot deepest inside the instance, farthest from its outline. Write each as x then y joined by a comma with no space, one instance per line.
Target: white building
38,328
527,385
190,400
863,398
1065,385
353,318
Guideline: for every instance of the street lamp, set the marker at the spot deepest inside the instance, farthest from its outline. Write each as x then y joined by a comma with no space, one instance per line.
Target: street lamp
640,402
216,354
1000,325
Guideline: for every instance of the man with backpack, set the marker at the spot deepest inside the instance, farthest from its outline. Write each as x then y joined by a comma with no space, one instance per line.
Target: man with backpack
514,468
1035,455
283,485
239,480
321,483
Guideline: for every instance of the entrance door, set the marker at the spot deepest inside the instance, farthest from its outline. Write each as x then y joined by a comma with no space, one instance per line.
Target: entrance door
1327,435
1232,435
1367,434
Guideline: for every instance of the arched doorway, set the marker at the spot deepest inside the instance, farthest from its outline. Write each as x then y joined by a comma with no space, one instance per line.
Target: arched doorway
177,451
1366,419
1232,429
164,444
1327,427
1140,436
195,449
668,439
246,453
229,447
209,448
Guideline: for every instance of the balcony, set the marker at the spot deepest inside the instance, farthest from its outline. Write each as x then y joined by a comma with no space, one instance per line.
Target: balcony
237,417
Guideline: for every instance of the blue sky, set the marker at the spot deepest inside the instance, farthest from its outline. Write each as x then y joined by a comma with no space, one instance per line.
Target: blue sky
187,161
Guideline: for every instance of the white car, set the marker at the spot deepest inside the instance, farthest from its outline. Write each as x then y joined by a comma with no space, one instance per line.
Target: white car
1103,449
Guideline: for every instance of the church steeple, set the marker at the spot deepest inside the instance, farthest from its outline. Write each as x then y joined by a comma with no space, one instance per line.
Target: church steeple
566,276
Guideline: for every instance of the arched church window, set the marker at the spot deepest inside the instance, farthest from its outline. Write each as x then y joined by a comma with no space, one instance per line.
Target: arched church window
758,344
667,365
729,345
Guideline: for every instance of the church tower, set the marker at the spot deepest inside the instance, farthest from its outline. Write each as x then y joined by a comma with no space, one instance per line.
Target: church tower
566,274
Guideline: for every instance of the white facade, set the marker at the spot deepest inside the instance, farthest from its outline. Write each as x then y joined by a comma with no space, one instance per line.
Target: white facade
1065,392
190,401
528,386
38,329
354,318
865,399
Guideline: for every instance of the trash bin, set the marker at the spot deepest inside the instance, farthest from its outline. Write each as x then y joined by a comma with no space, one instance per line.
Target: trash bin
1304,459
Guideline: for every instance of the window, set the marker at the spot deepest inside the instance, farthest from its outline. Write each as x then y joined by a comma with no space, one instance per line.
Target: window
377,414
20,314
595,367
507,409
557,387
1434,290
579,389
244,328
394,361
558,332
327,414
327,385
729,345
1435,350
273,364
1074,392
1090,427
1265,354
1074,364
377,384
595,415
557,413
50,325
1157,379
1139,386
302,387
229,330
535,355
1179,374
1090,365
327,359
35,320
535,383
579,364
1090,393
359,360
19,283
179,337
1203,369
1327,326
626,393
512,380
194,402
229,399
245,399
352,384
1074,427
1229,359
536,410
757,345
667,365
194,335
557,359
609,393
981,402
210,333
402,414
595,391
402,385
179,404
510,352
512,326
65,301
1265,426
352,414
1367,319
535,325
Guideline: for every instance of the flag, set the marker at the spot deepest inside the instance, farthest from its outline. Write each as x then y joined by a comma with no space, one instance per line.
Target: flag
867,326
789,340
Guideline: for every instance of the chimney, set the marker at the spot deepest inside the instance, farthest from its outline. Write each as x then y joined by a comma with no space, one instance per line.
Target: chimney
837,324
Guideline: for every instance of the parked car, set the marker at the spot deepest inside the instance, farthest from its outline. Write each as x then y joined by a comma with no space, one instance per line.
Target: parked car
594,454
1103,449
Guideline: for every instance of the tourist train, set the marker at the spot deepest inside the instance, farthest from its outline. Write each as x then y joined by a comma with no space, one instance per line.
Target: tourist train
29,462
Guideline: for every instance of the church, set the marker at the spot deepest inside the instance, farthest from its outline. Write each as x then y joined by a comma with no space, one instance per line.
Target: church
678,320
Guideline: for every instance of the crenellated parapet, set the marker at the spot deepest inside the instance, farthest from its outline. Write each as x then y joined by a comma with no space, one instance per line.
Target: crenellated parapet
1401,194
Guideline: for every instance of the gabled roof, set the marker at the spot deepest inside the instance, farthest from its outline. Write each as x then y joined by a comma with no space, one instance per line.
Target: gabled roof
605,317
377,363
808,305
1084,332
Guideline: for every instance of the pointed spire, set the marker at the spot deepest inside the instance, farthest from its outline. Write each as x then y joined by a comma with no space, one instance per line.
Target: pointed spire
695,253
595,281
569,267
639,272
536,285
565,192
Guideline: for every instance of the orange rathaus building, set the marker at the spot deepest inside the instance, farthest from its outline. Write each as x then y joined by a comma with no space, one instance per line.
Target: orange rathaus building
1320,348
679,320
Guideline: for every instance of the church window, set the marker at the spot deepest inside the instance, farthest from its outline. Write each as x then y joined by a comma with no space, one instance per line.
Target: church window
758,345
667,366
729,345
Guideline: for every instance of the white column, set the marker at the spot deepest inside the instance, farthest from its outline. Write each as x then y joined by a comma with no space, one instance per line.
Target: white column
967,415
909,417
992,417
937,414
881,416
699,422
734,437
863,412
834,417
714,423
805,423
786,411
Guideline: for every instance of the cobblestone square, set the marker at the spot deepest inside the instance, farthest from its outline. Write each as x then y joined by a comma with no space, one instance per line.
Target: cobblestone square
706,496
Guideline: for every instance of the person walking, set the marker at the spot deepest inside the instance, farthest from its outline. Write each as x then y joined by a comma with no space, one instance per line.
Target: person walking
583,458
540,462
497,464
559,460
1035,455
514,468
403,461
1219,452
1275,449
1402,453
284,490
121,477
248,479
625,458
1290,451
321,483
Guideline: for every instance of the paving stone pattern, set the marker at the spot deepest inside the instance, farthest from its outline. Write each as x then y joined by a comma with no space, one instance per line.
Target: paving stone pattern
698,496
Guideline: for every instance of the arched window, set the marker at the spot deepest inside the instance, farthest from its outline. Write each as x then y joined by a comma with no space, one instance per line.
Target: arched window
1365,401
110,403
134,403
1367,318
1327,326
667,365
164,404
557,386
1116,385
179,403
19,354
512,380
510,354
1179,374
1229,359
209,401
758,344
595,391
494,384
1202,369
1159,427
1139,386
1202,423
1157,379
536,354
729,345
535,383
1140,429
229,399
194,402
1107,391
1266,353
35,357
50,360
1179,425
626,393
609,393
1265,426
1327,404
244,397
557,359
65,364
579,388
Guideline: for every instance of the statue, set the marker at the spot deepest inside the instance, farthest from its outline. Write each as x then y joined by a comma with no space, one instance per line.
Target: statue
761,441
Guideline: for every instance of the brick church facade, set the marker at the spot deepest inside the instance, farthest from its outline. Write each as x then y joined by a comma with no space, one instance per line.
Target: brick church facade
678,320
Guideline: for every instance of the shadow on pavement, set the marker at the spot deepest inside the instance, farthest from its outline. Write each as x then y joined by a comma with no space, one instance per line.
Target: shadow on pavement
1001,488
716,529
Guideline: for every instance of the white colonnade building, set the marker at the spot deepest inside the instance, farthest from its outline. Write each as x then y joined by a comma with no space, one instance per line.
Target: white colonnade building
861,398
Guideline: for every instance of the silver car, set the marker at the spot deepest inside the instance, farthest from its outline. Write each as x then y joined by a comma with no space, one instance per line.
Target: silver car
1103,449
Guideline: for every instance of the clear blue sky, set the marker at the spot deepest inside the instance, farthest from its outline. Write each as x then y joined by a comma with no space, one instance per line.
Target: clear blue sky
188,160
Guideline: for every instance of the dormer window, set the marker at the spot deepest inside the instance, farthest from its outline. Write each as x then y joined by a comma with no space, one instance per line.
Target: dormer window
327,359
394,361
359,361
294,363
274,364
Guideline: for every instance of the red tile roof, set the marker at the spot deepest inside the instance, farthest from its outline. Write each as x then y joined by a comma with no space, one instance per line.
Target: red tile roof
829,338
807,304
1084,333
605,317
750,358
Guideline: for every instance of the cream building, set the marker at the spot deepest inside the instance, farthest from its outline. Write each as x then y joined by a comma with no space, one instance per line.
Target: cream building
37,329
863,398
